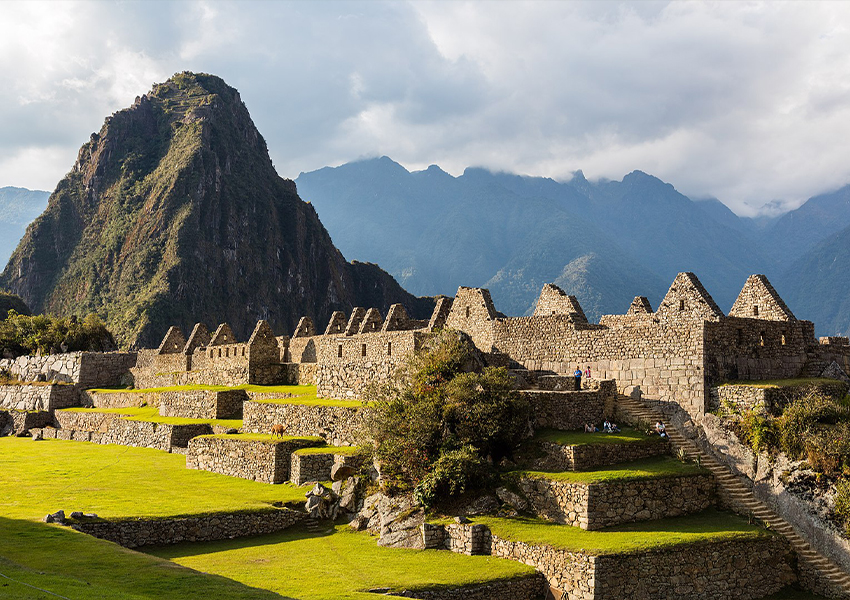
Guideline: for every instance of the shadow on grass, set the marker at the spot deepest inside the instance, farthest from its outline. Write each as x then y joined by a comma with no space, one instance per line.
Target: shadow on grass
46,561
292,534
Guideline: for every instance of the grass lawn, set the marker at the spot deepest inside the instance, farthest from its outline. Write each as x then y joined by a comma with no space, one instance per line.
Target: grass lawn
580,438
151,414
645,468
77,566
335,564
710,525
42,477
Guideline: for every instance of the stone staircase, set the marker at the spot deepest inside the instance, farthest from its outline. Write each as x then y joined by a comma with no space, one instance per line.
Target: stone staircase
826,577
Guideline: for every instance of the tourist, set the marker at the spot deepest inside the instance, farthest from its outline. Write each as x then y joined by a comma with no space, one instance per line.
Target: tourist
610,427
577,375
587,372
660,429
590,428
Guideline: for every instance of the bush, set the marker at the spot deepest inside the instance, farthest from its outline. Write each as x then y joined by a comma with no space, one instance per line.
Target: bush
434,411
453,474
803,418
42,334
759,431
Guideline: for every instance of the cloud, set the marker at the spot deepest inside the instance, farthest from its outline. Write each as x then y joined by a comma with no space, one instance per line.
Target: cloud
747,102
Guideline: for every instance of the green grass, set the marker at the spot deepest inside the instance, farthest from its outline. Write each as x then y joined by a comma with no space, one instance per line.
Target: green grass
580,438
335,564
345,450
265,437
645,468
777,383
707,526
74,565
151,414
116,482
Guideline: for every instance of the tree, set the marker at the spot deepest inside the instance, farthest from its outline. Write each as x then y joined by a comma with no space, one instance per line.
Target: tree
440,424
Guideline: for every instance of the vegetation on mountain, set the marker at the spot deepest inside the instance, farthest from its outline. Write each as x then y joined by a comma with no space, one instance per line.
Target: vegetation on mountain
42,334
439,426
173,214
12,302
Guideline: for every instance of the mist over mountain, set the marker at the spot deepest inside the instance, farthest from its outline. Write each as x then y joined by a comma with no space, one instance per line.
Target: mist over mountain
173,214
18,208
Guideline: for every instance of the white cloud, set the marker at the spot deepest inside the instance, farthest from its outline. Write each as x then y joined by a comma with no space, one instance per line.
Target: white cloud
748,102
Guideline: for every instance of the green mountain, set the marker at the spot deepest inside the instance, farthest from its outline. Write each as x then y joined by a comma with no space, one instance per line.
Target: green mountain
173,213
18,208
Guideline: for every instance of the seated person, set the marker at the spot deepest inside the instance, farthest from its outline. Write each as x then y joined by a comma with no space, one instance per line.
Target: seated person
612,428
660,429
590,428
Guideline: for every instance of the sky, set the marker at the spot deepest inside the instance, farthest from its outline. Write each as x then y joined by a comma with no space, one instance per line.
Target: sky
748,102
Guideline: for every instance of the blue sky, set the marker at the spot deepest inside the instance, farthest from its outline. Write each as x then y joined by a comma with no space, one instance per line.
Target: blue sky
748,102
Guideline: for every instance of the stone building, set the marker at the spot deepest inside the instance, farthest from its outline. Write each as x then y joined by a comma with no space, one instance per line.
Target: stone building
674,353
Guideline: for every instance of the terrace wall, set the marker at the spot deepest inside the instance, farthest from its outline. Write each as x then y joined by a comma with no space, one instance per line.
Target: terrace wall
265,461
224,526
338,425
605,504
38,397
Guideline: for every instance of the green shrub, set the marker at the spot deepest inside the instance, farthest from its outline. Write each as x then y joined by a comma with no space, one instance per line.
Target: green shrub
454,473
803,417
24,334
759,431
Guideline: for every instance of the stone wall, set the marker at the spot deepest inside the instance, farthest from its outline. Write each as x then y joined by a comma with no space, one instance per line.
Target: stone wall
529,587
771,399
605,504
584,457
338,425
722,570
18,422
571,410
346,364
313,466
88,369
38,396
126,399
728,570
125,432
258,460
202,404
225,526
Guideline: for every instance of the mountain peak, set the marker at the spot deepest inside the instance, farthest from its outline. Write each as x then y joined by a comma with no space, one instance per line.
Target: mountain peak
174,214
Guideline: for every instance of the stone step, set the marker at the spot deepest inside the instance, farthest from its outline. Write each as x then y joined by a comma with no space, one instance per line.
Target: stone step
836,578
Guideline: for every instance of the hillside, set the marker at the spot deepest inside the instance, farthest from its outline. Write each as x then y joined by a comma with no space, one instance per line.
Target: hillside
173,213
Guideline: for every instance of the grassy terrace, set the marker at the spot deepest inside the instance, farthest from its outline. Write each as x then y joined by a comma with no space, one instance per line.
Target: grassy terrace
265,437
119,482
580,438
645,468
778,383
151,414
348,450
335,564
707,526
